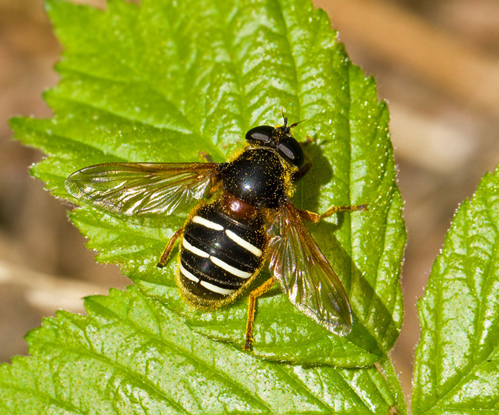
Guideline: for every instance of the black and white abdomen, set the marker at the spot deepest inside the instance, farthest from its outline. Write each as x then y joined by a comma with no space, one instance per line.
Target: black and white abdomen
219,254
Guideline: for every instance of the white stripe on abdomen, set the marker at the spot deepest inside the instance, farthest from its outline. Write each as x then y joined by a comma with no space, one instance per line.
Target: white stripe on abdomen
216,288
207,223
243,243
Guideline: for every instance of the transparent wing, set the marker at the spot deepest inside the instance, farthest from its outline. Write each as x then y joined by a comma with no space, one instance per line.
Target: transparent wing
306,275
142,188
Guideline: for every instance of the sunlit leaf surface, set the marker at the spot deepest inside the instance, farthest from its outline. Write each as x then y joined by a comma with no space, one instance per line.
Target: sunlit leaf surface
457,363
161,82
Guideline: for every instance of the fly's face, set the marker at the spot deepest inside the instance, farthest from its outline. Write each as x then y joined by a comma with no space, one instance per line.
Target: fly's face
280,139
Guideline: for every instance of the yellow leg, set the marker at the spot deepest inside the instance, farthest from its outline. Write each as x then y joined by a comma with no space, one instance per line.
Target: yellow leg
205,156
168,249
262,289
315,217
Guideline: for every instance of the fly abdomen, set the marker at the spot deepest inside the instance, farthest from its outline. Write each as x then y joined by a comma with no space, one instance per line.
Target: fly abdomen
219,254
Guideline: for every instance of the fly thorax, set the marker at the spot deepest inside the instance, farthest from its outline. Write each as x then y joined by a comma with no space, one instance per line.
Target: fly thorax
258,177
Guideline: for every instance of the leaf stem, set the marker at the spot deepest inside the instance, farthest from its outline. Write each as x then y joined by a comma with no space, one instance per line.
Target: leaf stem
385,367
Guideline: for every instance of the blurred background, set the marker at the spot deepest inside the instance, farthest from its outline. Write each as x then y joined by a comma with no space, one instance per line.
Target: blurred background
436,63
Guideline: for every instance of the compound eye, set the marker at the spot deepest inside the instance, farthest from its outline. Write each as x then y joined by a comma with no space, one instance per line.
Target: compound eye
290,150
260,135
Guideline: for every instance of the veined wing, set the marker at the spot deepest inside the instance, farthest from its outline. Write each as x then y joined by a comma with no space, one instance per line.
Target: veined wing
142,188
306,275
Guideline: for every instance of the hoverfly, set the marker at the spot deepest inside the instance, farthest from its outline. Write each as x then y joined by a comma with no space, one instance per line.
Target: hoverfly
246,219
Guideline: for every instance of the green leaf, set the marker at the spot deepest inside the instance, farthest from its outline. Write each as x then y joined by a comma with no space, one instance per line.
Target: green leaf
457,359
131,355
165,80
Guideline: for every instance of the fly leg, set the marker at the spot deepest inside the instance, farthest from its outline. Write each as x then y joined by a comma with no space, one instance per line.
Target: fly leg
312,216
205,156
303,169
315,217
257,292
215,179
308,161
168,249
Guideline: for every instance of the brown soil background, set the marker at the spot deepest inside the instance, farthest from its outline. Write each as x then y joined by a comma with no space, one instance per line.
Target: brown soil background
436,63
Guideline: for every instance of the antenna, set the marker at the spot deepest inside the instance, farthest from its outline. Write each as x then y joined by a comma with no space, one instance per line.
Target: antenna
284,118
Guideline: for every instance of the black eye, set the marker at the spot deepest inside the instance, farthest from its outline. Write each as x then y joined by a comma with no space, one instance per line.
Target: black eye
290,150
260,135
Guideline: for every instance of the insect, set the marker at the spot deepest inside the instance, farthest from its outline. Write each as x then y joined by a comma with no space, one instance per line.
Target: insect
244,218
